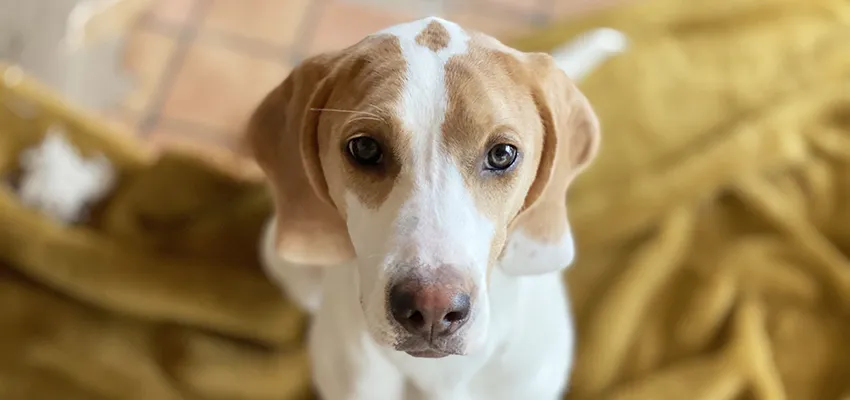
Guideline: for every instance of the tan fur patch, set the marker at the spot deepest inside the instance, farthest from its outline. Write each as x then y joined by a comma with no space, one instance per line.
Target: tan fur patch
366,91
495,97
572,126
312,113
489,104
280,132
434,36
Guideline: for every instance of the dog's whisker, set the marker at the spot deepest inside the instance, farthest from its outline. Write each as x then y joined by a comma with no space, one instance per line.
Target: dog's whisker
373,256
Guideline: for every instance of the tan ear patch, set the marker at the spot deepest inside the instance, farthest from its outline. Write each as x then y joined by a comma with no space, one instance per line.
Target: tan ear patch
488,104
572,130
309,230
434,36
479,115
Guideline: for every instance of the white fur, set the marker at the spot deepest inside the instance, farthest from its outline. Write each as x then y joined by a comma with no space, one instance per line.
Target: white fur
59,182
302,283
527,353
582,55
519,343
429,217
526,256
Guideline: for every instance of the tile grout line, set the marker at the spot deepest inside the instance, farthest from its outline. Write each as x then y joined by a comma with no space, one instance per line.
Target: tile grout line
205,133
185,37
502,11
247,46
233,42
306,30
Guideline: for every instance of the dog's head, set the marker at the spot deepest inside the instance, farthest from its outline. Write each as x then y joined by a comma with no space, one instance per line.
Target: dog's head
428,156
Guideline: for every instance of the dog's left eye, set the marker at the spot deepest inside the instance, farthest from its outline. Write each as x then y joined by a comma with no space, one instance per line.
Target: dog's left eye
501,157
365,151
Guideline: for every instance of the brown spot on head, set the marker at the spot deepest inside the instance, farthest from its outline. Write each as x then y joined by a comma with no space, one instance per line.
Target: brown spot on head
434,36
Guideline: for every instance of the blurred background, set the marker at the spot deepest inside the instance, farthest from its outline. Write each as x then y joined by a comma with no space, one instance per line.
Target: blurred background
712,231
187,72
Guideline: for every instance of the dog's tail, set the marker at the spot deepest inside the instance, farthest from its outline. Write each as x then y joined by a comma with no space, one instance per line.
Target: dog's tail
302,284
584,54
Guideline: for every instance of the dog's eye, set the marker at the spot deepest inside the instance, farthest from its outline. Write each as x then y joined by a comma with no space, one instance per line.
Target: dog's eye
365,151
501,157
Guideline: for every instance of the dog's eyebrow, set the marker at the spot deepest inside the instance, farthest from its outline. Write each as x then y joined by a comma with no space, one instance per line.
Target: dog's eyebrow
364,115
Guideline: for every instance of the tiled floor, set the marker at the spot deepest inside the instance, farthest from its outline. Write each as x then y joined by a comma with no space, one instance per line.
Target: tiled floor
202,65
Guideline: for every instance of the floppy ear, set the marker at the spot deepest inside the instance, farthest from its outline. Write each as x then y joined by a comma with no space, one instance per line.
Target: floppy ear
282,134
540,239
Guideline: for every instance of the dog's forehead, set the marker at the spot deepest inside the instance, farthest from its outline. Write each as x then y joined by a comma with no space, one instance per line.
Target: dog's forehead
443,39
439,60
435,34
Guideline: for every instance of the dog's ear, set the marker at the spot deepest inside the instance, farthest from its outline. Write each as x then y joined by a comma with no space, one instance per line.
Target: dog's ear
282,135
540,238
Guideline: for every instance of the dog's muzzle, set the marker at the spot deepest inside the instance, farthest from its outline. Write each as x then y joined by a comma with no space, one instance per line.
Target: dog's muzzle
431,306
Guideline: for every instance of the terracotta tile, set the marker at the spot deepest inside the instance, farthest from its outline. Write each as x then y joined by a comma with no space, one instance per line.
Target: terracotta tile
172,11
146,56
123,121
168,135
273,21
528,6
570,8
500,28
342,23
243,45
218,87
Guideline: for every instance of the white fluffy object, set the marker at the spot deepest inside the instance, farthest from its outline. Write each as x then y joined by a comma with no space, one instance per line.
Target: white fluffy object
585,53
59,182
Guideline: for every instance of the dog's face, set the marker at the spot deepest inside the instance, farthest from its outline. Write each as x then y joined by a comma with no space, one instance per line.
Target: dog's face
428,156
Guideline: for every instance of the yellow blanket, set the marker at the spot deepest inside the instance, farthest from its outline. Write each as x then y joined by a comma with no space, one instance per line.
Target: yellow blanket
713,233
714,230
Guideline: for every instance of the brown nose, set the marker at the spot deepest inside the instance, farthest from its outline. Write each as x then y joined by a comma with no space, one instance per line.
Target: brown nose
430,308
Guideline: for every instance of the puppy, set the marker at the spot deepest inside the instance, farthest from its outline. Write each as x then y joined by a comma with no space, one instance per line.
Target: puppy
419,180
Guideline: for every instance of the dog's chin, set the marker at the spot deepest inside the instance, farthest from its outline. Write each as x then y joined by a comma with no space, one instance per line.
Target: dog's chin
427,354
444,347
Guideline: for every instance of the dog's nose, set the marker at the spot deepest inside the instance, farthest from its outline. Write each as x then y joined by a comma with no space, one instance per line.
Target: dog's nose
429,308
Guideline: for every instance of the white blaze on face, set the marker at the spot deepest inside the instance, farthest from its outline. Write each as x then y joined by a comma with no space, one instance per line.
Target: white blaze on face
429,218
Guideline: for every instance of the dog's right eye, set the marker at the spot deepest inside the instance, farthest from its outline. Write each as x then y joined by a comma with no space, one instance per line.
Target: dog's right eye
365,151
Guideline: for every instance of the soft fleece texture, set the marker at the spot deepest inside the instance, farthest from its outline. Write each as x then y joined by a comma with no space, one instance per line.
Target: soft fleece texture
713,233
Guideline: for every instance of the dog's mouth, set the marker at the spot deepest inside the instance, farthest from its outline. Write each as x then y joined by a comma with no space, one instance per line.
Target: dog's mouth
429,353
419,348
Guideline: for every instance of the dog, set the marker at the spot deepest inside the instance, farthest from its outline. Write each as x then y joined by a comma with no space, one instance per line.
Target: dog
419,180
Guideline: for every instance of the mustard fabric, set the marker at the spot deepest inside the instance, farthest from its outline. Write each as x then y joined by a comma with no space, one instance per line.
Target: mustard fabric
714,229
713,232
